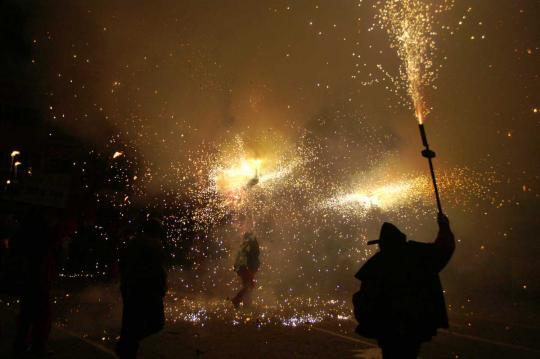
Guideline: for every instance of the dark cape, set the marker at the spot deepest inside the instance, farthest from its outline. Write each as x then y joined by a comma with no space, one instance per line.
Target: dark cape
401,294
143,286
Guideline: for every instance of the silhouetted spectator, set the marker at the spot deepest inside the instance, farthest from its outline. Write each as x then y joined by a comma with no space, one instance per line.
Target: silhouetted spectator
8,227
143,286
82,250
36,245
401,302
246,265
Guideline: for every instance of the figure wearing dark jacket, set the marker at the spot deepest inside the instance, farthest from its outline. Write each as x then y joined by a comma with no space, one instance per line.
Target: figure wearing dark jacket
246,265
35,243
401,302
143,286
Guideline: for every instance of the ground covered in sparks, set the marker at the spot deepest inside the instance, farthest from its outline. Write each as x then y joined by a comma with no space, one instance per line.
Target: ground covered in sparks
82,308
291,312
87,323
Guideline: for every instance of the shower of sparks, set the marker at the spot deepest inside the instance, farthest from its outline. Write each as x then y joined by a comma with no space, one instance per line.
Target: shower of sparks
383,197
307,219
294,192
236,170
243,174
234,180
462,185
411,28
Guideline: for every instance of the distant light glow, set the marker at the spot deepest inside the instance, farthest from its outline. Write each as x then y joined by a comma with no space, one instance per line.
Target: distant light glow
117,154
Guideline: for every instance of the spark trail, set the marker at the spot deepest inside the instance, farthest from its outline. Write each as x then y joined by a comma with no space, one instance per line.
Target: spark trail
410,26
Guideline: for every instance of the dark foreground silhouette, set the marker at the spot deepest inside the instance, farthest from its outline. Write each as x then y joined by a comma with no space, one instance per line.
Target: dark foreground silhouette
143,286
401,302
35,245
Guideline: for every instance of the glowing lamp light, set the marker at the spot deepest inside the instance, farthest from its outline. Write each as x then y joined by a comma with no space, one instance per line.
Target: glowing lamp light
15,166
117,154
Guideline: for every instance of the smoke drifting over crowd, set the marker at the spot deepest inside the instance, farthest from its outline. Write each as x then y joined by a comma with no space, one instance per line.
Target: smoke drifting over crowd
201,98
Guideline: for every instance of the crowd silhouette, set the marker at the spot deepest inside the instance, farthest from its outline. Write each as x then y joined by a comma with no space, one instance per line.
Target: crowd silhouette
400,303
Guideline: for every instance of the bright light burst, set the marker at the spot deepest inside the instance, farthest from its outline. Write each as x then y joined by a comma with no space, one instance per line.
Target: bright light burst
460,186
244,173
384,197
239,179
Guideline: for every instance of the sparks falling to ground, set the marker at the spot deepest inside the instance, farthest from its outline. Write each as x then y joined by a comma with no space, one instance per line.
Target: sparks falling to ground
187,107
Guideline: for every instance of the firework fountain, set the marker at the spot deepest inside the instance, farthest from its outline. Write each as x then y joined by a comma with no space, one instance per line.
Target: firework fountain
410,27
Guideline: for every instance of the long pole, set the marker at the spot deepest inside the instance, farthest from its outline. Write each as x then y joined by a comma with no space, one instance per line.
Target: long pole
429,154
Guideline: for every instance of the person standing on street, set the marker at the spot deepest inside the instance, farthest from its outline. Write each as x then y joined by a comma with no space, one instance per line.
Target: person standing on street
143,284
246,266
401,302
36,245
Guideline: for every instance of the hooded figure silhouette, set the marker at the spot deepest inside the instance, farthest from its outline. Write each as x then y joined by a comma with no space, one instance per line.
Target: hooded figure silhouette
143,284
401,302
390,237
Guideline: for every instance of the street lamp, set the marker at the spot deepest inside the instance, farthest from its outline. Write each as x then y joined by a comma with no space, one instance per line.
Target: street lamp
16,164
14,154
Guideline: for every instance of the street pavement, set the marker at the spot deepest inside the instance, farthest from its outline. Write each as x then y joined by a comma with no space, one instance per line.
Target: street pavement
329,339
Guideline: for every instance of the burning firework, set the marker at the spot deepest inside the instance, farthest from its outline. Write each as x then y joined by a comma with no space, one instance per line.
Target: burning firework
384,197
410,25
388,195
244,174
410,192
235,171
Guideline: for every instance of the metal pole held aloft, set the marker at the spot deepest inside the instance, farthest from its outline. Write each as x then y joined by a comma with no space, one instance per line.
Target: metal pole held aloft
429,154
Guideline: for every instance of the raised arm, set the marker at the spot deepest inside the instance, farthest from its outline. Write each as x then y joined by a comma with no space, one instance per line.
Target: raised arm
445,243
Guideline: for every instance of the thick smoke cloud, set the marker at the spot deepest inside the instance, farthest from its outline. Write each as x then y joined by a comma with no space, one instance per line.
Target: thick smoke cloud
167,77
